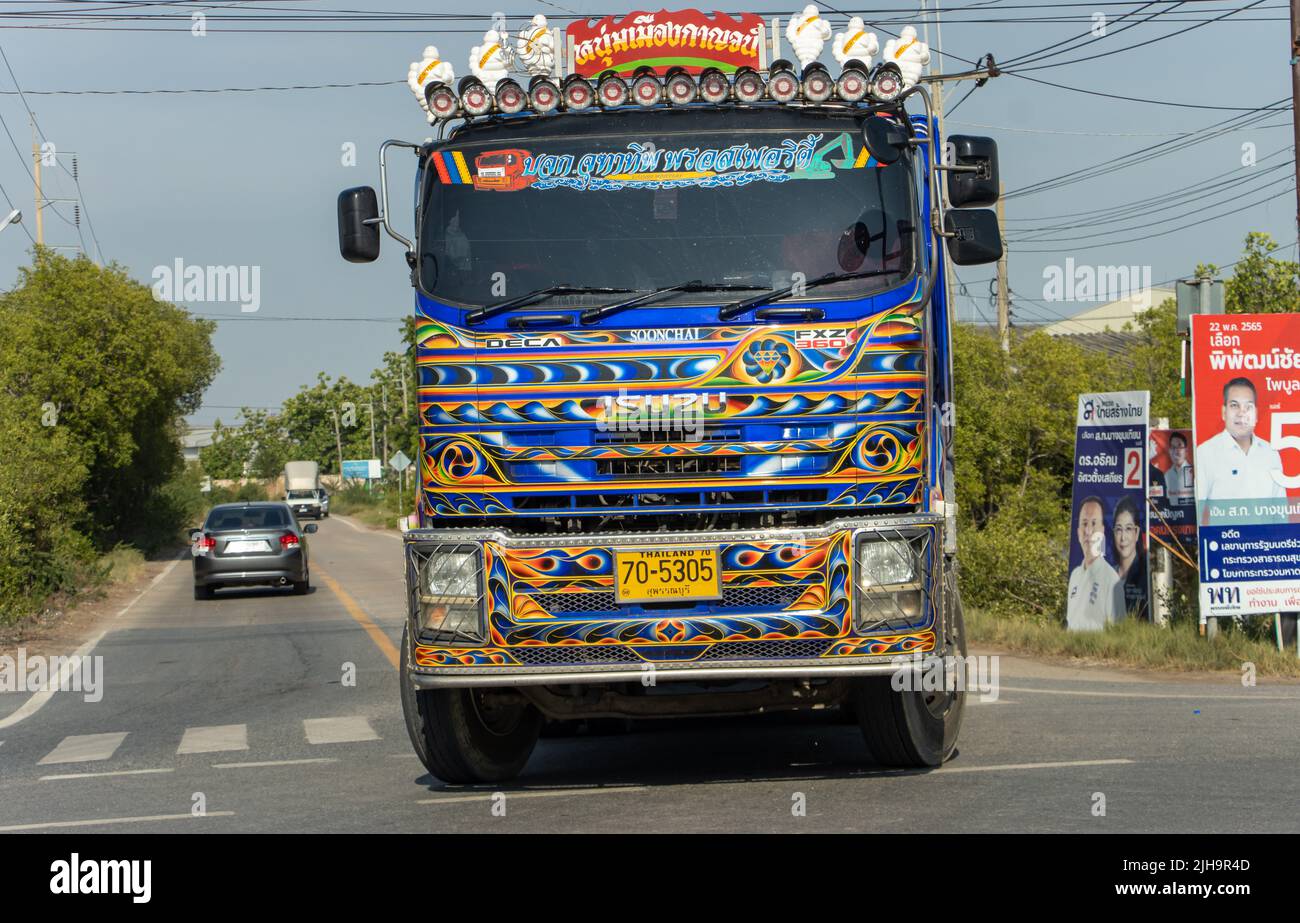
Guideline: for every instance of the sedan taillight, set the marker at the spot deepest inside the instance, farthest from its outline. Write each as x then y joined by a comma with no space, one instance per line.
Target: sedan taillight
207,543
288,540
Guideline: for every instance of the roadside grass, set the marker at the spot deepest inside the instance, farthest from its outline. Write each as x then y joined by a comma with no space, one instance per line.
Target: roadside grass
123,564
379,509
1178,647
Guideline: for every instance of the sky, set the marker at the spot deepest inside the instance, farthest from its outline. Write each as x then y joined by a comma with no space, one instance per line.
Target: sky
251,179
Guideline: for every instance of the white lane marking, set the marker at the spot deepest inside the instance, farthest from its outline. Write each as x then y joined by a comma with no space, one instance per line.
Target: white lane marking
84,748
974,699
323,759
345,519
556,793
162,575
1005,767
1242,697
38,699
216,739
51,825
338,730
103,775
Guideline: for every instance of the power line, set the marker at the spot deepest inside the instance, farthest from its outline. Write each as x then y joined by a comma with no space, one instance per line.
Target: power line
1201,220
1135,211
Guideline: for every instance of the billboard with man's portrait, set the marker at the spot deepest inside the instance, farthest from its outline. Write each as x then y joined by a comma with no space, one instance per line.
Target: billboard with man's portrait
1171,488
1246,417
1109,577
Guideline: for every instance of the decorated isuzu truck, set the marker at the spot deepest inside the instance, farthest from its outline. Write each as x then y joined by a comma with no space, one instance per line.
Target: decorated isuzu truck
685,374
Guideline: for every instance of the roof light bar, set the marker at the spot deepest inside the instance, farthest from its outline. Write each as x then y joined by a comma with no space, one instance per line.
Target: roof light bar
578,93
442,100
748,86
817,84
782,84
886,83
511,97
543,94
679,87
612,91
713,86
475,97
646,88
854,84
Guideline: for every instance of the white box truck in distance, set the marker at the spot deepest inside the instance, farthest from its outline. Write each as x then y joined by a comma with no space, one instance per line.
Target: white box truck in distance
302,490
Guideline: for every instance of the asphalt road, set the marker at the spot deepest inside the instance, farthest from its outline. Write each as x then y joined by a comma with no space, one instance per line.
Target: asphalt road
239,705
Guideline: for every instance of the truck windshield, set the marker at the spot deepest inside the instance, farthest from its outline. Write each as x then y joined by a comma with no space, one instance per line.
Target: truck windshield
643,200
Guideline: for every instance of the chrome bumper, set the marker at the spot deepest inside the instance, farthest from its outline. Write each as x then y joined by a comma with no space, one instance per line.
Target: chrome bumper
487,674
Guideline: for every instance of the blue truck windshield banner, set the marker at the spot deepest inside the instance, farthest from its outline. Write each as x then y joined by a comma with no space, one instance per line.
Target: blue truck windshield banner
1109,577
643,164
1246,412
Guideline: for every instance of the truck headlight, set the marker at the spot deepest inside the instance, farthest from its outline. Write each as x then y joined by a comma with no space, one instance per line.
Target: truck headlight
451,593
885,562
889,582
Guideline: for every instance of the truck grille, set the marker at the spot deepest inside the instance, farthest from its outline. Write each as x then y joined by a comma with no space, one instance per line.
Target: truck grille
773,598
668,466
791,649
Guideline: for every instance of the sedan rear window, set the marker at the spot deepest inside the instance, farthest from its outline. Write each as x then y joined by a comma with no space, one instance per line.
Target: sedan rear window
253,517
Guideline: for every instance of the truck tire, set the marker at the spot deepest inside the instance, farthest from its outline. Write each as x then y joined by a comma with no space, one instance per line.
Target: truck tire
202,592
461,742
915,729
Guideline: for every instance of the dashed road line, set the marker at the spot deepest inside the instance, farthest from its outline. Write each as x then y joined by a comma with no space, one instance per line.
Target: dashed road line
103,821
84,748
214,739
1198,696
262,763
103,775
550,793
1015,767
338,730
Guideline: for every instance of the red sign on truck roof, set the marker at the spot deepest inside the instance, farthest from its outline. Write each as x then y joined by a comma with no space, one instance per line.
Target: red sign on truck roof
683,38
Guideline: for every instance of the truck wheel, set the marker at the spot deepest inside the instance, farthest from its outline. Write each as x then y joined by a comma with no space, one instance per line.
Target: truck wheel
914,729
463,741
202,592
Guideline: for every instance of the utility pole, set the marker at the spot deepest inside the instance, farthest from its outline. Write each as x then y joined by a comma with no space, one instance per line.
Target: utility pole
1295,90
40,201
1004,287
383,386
338,441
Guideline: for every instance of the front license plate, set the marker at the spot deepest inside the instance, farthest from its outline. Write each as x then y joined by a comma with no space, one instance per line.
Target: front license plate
246,547
667,574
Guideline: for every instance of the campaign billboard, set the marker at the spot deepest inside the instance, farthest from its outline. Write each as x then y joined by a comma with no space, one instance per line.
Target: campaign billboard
1109,577
1171,488
1246,425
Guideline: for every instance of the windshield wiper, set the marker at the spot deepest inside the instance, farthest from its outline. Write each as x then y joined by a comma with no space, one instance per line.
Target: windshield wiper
740,307
492,310
595,314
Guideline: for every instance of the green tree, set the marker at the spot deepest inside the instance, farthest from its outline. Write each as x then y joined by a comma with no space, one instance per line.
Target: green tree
1261,284
95,376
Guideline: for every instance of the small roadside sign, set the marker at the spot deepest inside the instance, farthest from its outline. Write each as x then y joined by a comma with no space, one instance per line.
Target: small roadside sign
399,461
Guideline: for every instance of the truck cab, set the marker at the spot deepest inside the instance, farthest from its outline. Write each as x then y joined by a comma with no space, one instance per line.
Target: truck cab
685,406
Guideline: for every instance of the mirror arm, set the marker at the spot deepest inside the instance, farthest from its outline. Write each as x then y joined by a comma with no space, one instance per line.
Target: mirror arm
383,191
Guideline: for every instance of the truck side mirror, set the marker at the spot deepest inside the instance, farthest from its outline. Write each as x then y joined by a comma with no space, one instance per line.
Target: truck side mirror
979,187
884,138
359,224
974,237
